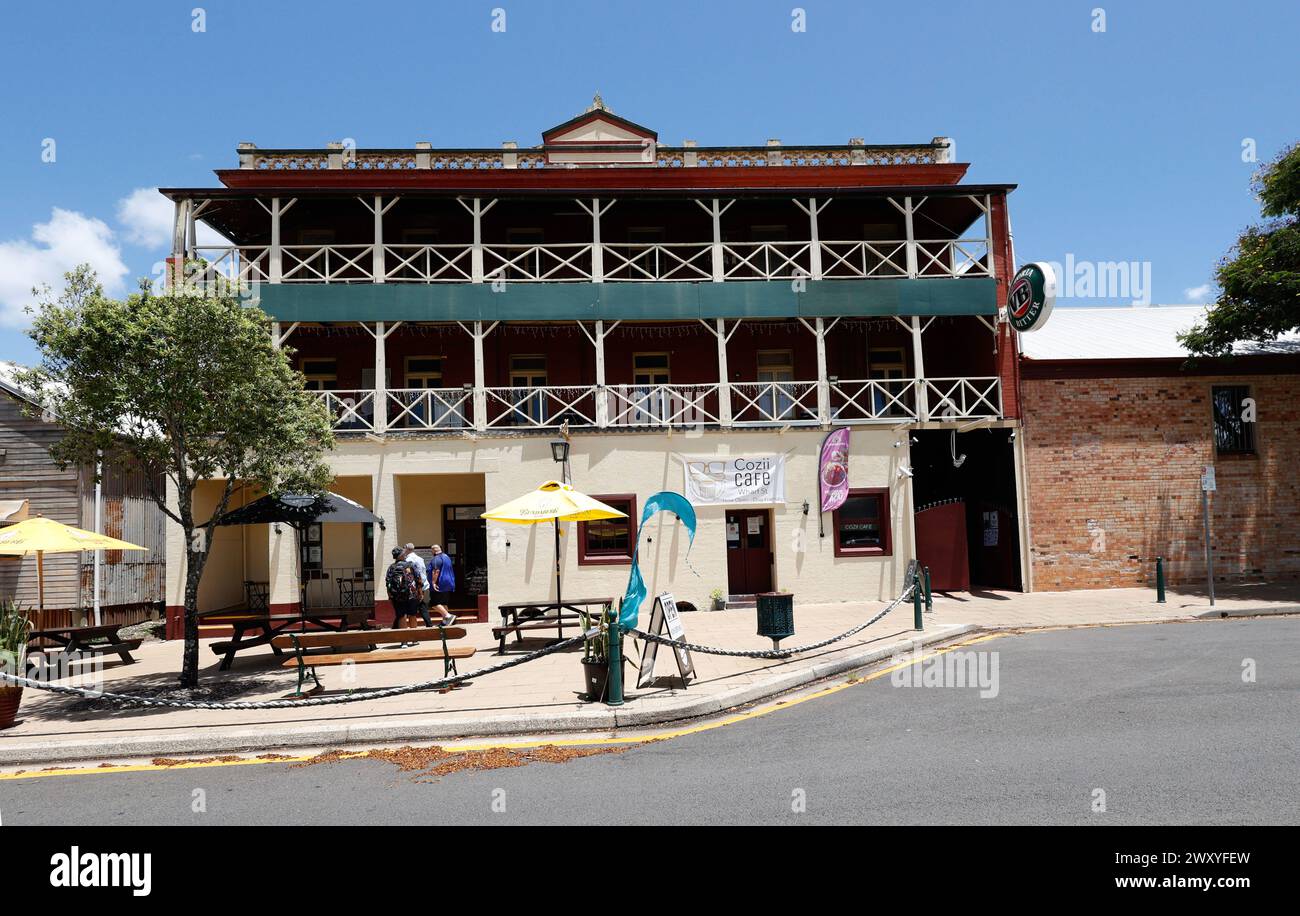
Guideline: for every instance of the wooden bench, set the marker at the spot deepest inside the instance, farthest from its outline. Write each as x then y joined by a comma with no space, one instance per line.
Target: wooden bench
521,616
327,646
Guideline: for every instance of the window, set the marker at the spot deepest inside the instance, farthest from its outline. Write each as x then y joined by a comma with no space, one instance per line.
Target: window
776,367
1233,435
862,524
424,372
610,541
322,374
530,407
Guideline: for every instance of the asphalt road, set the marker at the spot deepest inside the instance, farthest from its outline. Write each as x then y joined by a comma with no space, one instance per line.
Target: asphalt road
1157,717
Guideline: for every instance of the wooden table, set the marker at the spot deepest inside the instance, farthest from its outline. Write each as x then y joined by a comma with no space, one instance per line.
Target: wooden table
85,640
244,622
544,615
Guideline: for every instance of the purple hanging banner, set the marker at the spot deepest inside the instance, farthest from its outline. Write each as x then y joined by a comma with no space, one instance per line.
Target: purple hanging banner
833,472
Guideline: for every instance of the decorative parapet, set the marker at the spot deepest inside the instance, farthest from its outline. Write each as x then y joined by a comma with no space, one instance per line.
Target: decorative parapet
854,153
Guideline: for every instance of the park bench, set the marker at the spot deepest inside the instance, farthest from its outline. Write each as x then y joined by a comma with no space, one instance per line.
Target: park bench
311,650
244,622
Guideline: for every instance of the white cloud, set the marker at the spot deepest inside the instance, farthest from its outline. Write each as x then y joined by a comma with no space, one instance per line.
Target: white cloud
146,217
56,247
1198,294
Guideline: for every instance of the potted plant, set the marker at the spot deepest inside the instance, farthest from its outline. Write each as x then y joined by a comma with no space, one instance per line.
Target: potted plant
718,599
595,659
15,625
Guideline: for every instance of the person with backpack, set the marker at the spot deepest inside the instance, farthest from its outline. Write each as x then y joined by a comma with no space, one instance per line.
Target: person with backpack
403,591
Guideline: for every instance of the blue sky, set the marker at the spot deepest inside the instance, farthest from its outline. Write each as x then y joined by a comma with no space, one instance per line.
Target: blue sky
1126,143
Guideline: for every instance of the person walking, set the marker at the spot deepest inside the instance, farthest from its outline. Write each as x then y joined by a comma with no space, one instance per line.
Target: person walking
421,579
403,589
443,582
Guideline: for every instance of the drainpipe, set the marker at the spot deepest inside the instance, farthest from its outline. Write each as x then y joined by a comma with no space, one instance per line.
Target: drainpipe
99,516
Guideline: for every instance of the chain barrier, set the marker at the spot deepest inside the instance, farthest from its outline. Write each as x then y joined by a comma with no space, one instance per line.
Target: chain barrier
130,700
773,653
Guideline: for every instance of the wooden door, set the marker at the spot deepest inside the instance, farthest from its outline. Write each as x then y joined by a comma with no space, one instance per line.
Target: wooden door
749,551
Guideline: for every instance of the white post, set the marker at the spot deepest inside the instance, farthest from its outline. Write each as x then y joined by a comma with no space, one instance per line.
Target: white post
276,268
275,334
814,244
480,376
377,252
724,376
477,211
715,209
99,529
597,272
381,372
911,237
823,384
918,367
988,232
602,404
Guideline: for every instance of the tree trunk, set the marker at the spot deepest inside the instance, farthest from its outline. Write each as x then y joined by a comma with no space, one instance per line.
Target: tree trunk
194,560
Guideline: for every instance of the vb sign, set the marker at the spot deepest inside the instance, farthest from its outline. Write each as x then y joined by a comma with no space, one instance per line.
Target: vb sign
1032,295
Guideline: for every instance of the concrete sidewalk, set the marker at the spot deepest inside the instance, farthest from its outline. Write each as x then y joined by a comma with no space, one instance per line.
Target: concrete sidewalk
544,695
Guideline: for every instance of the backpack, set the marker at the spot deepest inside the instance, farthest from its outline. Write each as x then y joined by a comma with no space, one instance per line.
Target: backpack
400,581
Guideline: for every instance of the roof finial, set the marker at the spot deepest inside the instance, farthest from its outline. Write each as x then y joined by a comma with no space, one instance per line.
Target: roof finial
597,103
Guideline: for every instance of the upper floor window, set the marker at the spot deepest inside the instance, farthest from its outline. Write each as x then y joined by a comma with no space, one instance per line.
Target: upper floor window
322,374
424,372
650,368
1233,433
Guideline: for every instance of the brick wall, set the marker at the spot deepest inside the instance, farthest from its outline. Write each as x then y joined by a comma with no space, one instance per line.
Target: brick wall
1114,468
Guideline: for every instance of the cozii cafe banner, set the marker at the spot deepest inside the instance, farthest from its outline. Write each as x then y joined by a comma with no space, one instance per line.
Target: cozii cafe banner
737,479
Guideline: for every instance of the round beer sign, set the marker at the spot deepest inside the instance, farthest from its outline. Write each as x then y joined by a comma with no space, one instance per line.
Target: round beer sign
1033,292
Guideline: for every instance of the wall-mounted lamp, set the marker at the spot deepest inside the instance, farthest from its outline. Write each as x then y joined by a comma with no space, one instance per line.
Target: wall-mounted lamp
560,453
833,379
805,507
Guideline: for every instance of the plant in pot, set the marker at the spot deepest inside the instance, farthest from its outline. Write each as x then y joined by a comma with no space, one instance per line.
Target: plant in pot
15,625
595,658
718,599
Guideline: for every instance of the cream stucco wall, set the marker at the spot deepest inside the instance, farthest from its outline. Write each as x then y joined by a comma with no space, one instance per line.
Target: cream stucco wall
410,479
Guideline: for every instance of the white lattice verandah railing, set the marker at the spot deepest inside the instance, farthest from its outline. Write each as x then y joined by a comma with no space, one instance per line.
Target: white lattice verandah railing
964,398
351,410
249,264
552,263
540,408
662,405
428,263
658,261
430,408
754,404
327,263
622,262
871,400
774,403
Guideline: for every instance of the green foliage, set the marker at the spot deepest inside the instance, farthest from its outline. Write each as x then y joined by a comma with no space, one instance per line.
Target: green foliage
15,625
1260,279
189,387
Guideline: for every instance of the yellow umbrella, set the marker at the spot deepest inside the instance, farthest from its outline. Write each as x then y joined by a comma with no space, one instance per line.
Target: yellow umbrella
553,502
44,535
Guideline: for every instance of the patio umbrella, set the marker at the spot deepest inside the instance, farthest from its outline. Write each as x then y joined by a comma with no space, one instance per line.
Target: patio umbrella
553,502
44,535
298,510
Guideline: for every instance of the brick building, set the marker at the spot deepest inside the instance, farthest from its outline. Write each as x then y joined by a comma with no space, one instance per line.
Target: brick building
1119,427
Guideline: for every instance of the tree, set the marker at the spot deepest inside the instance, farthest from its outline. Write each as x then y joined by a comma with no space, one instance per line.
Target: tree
1260,280
189,387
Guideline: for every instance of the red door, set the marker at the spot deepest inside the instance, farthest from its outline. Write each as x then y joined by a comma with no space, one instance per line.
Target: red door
749,551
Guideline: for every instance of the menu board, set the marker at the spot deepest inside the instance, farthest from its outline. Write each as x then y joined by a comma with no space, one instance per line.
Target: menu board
664,616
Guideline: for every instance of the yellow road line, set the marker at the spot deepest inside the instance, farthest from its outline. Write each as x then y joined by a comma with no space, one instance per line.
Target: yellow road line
755,713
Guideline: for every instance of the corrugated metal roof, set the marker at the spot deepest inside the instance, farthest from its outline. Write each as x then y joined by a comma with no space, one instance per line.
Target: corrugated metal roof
1130,332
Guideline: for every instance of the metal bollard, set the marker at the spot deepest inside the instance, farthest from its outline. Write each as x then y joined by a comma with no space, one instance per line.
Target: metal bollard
929,601
1160,580
916,601
615,686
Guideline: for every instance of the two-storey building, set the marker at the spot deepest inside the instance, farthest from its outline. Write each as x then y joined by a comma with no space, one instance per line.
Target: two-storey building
672,313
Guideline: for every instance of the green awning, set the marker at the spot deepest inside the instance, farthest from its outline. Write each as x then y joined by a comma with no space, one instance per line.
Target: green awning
326,302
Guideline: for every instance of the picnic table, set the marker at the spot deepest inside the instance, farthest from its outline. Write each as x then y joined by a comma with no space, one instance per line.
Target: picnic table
86,640
268,625
519,616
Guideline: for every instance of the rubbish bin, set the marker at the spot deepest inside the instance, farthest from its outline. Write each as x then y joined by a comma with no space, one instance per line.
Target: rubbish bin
776,616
